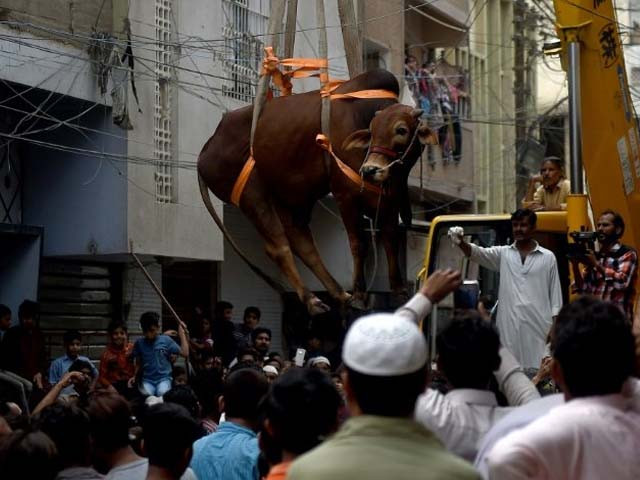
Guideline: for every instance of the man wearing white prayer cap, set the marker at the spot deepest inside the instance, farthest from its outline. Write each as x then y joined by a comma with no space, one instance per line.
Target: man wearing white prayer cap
270,372
385,359
321,363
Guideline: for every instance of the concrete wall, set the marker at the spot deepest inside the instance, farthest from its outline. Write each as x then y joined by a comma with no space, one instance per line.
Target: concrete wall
33,59
80,200
385,26
19,266
77,17
182,228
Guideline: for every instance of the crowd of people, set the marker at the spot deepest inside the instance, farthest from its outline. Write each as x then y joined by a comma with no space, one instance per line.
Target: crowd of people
235,409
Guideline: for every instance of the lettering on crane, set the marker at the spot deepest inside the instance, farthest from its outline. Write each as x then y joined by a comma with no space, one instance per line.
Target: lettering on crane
608,45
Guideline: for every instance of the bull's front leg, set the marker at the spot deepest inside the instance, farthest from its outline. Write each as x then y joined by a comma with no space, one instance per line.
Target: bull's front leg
352,220
390,237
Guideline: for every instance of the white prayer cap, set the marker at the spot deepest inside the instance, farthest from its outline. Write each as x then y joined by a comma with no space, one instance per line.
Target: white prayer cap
319,359
384,345
270,369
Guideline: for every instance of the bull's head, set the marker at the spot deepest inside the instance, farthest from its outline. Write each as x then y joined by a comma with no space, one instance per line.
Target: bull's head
394,136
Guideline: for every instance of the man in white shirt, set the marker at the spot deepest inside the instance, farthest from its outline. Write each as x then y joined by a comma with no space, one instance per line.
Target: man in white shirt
596,433
529,296
468,354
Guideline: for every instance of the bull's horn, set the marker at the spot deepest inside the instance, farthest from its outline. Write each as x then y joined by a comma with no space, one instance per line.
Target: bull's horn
377,112
416,112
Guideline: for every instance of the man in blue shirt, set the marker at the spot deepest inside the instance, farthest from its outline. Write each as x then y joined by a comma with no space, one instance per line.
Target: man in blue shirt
231,453
153,353
72,344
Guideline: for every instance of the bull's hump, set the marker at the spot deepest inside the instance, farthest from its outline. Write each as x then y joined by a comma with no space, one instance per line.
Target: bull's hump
372,79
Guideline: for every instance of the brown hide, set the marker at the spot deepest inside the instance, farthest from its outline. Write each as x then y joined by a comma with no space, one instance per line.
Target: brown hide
291,174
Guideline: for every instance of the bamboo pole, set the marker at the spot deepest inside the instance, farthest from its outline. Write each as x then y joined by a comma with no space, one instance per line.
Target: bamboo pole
350,37
159,292
290,28
323,52
273,39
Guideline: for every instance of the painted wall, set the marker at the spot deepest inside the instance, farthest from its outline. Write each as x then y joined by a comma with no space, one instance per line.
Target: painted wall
80,200
182,228
19,267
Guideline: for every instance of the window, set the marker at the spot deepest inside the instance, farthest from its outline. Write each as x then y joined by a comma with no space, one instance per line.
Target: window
162,104
244,27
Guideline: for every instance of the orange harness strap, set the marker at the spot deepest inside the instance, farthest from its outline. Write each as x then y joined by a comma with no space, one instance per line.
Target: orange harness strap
324,143
242,179
308,67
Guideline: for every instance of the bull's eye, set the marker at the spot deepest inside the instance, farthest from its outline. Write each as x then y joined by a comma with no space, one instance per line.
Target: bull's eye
401,131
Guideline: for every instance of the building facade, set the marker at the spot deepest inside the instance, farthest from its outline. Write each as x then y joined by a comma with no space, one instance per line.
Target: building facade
106,105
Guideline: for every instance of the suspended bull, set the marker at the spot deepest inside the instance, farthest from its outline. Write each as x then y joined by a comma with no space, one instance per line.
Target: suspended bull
291,174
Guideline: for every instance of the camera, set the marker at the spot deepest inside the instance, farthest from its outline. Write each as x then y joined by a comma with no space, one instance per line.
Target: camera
582,241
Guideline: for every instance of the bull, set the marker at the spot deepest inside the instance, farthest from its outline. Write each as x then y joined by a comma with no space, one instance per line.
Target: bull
291,174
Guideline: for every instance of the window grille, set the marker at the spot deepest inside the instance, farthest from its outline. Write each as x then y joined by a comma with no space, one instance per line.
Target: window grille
162,107
244,27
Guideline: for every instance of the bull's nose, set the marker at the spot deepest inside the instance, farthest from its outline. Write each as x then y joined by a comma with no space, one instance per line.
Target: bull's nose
369,170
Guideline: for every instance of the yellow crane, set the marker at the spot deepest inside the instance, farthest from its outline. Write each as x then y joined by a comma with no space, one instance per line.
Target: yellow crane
603,139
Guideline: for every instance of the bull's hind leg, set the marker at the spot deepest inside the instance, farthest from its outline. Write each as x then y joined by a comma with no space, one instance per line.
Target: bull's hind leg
257,206
304,247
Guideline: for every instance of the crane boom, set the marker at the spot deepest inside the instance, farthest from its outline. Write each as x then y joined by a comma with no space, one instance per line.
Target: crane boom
610,141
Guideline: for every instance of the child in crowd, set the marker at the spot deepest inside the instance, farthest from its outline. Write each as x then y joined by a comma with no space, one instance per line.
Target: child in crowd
152,355
116,362
180,376
72,345
203,343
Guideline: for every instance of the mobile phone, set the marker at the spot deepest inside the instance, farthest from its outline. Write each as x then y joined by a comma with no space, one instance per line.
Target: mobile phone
467,295
299,358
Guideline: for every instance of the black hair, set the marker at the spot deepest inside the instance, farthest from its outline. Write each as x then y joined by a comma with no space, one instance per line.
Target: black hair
28,309
178,370
258,330
220,307
148,320
243,390
169,432
557,161
69,428
522,213
618,221
115,324
185,396
28,454
302,407
593,344
387,396
79,365
248,351
468,350
71,335
110,419
254,310
207,385
4,310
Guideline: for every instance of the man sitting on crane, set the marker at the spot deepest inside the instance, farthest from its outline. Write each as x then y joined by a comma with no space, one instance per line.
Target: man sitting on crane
554,188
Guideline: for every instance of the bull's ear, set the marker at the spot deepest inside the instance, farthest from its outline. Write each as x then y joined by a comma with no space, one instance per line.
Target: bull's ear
426,135
358,139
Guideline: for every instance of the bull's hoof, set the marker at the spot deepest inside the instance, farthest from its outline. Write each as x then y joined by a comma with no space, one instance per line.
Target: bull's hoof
315,306
357,303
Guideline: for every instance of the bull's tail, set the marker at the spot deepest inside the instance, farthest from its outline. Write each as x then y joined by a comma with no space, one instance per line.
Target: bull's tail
272,282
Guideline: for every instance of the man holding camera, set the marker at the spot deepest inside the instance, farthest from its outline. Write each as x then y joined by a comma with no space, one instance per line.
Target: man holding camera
610,273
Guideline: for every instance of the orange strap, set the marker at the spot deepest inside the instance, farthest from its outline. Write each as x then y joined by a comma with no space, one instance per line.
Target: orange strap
242,179
324,143
309,67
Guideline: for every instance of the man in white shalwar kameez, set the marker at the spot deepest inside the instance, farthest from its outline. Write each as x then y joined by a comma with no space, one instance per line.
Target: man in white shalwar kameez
529,295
